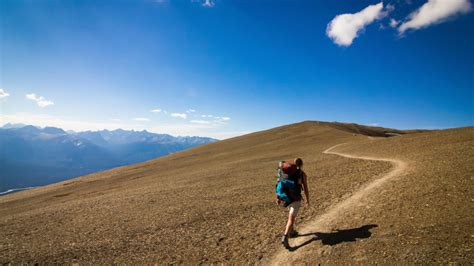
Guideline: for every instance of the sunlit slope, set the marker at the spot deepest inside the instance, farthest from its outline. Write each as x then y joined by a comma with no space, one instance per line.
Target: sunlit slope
424,215
208,204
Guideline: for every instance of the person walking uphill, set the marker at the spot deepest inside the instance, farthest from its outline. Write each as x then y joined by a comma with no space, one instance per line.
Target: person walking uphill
298,176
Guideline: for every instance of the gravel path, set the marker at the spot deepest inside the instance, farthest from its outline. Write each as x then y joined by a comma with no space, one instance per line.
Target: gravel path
325,221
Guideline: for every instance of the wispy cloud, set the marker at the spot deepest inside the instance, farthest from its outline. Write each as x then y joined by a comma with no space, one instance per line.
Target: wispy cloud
203,122
156,111
141,119
212,120
221,120
3,94
208,3
40,100
216,118
394,23
179,115
344,28
434,12
190,111
205,3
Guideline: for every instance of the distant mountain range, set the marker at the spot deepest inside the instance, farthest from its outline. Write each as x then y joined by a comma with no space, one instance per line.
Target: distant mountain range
33,156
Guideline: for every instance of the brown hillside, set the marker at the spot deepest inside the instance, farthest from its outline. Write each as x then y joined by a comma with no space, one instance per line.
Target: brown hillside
214,203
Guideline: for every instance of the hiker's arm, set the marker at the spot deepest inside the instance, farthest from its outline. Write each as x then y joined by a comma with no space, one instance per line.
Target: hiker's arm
305,187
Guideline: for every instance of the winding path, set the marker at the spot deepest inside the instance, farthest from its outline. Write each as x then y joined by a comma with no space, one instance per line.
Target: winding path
325,221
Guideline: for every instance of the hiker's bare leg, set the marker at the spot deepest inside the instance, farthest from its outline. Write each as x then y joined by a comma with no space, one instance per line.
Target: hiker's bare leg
289,224
294,207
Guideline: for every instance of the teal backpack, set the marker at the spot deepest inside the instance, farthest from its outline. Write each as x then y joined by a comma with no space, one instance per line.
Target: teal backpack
286,185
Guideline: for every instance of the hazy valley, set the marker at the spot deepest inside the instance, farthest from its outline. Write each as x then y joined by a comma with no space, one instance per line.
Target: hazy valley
32,156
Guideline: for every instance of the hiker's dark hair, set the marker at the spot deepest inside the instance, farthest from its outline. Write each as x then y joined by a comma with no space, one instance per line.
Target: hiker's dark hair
299,162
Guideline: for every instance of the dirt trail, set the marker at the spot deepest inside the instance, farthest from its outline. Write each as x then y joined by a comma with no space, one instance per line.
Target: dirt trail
324,222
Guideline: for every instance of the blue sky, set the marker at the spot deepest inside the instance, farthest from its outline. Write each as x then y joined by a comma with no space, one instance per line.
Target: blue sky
224,68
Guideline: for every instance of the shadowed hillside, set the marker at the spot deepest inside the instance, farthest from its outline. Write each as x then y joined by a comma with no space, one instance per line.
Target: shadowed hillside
214,203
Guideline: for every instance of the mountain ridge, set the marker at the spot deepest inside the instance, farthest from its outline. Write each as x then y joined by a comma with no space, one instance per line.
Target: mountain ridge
33,156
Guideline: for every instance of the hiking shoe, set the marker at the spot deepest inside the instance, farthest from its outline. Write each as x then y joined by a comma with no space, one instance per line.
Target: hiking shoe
294,233
284,241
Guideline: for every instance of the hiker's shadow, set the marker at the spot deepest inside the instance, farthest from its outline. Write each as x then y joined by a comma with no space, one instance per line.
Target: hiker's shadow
338,236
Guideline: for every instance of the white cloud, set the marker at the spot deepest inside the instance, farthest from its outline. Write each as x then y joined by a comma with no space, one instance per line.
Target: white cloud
3,94
208,3
203,122
389,8
40,100
433,12
141,119
394,23
190,111
156,111
344,28
217,120
180,115
212,120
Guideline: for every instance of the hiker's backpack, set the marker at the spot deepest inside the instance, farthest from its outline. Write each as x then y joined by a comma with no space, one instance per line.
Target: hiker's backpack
286,170
287,185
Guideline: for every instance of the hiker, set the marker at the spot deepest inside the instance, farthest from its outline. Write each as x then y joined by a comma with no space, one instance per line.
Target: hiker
300,179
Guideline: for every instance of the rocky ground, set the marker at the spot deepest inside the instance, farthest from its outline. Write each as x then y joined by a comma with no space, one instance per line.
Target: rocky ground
215,204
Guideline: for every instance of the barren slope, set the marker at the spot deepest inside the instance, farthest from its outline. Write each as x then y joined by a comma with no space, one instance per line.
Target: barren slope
214,203
420,212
